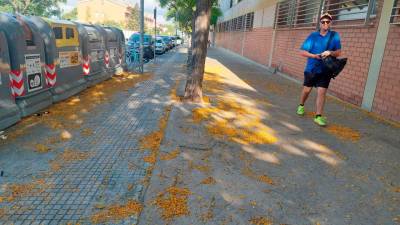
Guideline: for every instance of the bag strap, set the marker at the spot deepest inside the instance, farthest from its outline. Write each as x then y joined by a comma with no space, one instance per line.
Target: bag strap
332,33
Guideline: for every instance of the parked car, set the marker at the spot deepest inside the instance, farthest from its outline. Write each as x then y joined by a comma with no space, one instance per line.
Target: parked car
179,40
168,41
160,45
148,45
173,38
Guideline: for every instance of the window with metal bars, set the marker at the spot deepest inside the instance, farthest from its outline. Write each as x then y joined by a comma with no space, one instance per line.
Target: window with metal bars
249,21
342,10
244,22
284,11
305,13
240,23
395,17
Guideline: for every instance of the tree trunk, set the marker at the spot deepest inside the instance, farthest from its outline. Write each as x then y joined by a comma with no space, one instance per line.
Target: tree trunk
190,55
193,91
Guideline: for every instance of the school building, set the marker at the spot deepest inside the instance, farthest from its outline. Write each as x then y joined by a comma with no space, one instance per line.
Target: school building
271,32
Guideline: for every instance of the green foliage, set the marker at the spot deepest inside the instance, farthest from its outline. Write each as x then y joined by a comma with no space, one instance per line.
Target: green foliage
44,8
215,13
73,15
133,22
182,11
5,8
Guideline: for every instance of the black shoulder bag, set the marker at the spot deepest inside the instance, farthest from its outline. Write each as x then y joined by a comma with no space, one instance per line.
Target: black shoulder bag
333,65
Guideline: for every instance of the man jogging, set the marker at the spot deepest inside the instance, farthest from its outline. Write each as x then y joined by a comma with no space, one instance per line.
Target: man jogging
315,48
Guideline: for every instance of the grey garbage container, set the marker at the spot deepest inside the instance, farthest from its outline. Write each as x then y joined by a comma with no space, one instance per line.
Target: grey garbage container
9,112
121,66
111,58
93,48
26,51
63,37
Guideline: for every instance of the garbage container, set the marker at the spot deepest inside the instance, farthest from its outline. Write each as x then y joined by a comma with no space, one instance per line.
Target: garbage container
111,58
121,50
9,112
93,48
64,54
26,52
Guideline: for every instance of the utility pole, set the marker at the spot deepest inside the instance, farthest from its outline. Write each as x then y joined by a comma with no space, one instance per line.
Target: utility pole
176,23
155,33
141,34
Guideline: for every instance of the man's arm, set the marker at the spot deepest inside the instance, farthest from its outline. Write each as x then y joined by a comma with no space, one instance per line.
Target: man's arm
336,53
305,53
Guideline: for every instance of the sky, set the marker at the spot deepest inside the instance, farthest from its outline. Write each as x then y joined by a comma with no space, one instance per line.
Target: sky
148,8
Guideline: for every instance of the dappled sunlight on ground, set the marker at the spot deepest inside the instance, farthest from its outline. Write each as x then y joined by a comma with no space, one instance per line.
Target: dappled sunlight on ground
237,115
231,115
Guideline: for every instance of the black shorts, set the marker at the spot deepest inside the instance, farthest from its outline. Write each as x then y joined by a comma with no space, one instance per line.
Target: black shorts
316,80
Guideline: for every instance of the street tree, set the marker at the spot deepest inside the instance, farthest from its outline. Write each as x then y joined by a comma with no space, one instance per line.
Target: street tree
72,15
194,83
133,22
44,8
194,16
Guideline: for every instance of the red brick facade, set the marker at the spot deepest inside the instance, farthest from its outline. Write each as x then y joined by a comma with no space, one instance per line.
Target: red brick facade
387,95
357,45
256,50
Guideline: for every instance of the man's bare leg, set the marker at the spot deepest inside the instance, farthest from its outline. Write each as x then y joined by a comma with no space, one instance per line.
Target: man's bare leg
304,94
321,95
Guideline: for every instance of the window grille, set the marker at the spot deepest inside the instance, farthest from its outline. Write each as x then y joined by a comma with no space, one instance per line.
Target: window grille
249,21
235,24
244,22
284,11
305,13
358,11
395,17
240,23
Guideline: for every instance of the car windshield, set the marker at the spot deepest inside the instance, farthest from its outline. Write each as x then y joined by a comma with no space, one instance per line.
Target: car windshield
159,41
166,39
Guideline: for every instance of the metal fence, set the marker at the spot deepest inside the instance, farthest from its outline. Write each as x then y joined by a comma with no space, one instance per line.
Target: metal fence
395,17
297,14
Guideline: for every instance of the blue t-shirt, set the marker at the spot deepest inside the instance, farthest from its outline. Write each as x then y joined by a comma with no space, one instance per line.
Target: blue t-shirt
316,44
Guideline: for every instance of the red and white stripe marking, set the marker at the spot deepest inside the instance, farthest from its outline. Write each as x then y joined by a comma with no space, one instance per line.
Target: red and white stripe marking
51,75
86,66
17,83
107,59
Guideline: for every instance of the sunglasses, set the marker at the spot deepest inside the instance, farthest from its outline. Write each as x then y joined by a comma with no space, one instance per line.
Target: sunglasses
325,22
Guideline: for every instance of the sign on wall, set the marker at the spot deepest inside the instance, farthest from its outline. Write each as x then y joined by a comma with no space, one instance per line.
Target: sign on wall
33,71
69,59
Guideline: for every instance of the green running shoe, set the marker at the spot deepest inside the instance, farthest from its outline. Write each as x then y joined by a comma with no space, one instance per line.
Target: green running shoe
300,110
320,121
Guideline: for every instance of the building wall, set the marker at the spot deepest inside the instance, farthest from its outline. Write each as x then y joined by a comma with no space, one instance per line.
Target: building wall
387,95
98,11
357,46
255,44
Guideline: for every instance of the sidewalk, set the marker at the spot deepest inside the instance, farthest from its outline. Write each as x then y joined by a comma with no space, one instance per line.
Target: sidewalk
81,162
129,152
247,158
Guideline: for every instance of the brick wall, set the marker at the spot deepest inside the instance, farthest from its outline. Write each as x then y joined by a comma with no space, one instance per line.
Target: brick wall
357,46
256,44
230,40
387,95
286,52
